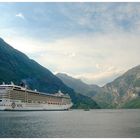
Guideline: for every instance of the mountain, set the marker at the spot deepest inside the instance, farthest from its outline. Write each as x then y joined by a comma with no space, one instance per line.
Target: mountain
94,91
123,92
16,66
132,104
76,84
125,88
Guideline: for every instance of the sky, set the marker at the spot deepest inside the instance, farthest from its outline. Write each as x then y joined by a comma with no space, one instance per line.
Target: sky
95,42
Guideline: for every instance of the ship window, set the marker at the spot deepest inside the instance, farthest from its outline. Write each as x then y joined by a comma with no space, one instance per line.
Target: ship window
29,101
17,88
2,88
0,100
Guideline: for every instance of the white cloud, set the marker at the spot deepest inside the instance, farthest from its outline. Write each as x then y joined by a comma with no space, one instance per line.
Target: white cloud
96,59
105,17
28,46
109,46
101,77
20,15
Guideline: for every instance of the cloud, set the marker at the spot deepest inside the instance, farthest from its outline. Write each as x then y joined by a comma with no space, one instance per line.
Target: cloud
20,15
101,77
104,17
60,20
94,41
95,58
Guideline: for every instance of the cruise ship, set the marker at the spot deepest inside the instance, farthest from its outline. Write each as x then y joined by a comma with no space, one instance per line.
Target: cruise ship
13,97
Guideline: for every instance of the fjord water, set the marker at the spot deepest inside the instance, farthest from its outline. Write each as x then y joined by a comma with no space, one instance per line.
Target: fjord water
70,124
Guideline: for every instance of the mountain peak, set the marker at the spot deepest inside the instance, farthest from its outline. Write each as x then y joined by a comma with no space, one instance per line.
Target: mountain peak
64,75
77,84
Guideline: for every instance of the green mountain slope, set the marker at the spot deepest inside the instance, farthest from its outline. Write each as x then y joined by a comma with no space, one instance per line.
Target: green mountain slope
125,87
16,66
132,104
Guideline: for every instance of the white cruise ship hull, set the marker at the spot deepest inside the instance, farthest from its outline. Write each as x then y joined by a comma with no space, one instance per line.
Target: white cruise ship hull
14,97
17,105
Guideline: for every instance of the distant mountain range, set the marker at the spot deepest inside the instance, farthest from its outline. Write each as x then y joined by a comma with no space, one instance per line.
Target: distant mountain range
123,92
16,66
79,86
97,93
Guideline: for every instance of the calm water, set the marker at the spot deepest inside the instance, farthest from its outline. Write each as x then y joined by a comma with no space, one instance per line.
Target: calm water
69,124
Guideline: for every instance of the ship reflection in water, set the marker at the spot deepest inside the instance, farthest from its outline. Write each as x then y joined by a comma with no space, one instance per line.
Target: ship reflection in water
70,124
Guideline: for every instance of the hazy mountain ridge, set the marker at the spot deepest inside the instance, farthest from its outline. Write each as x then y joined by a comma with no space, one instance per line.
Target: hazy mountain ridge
76,84
16,66
94,91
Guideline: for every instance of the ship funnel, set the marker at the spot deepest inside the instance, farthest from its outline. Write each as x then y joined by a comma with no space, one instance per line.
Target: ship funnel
3,83
26,86
60,93
12,83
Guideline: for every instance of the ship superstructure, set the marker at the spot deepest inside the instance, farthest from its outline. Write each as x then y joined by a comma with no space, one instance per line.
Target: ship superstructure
13,97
